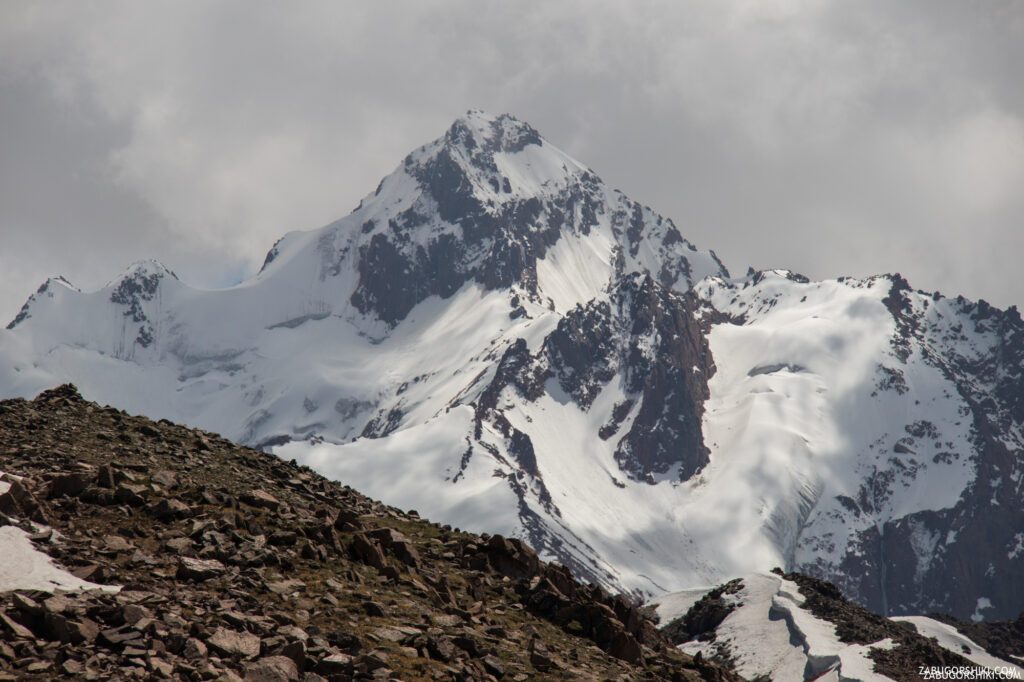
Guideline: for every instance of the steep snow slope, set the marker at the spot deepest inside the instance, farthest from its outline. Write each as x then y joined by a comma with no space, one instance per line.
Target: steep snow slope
821,432
499,340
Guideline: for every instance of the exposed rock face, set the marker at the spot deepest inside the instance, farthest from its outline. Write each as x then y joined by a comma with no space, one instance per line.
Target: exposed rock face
973,546
471,222
646,336
704,617
134,289
274,574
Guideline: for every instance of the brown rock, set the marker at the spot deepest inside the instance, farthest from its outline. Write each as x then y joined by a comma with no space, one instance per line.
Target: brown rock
27,606
348,521
283,538
368,551
540,657
57,627
370,661
264,500
272,669
405,552
313,677
467,644
296,651
441,648
72,667
168,509
15,627
19,502
493,665
118,636
512,557
130,494
160,668
68,485
167,479
133,613
106,477
625,647
116,543
234,643
387,536
83,630
199,569
335,664
194,649
89,572
178,545
58,603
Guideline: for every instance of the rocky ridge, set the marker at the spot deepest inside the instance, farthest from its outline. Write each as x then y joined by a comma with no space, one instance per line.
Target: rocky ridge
233,564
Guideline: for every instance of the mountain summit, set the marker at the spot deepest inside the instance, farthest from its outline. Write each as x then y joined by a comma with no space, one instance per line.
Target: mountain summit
497,339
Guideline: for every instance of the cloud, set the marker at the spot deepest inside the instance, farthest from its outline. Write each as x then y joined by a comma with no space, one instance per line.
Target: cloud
831,138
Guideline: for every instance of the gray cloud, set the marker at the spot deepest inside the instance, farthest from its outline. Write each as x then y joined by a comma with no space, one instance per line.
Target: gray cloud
826,137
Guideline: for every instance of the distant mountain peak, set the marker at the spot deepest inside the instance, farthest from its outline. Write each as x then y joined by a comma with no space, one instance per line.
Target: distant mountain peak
46,288
144,268
484,162
504,132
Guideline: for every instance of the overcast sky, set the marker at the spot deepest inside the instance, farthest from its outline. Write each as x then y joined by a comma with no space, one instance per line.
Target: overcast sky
829,138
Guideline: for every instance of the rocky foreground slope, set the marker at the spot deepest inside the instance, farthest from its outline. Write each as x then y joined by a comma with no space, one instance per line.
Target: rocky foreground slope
232,563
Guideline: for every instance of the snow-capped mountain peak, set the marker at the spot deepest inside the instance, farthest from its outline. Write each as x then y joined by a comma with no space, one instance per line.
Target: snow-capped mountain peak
496,338
148,269
47,289
499,159
489,202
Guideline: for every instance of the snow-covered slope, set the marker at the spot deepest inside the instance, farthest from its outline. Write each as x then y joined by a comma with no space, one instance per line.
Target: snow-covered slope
767,634
875,432
951,639
771,627
496,338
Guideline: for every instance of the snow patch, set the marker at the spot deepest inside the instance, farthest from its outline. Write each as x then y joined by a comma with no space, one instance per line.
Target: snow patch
982,604
23,567
951,639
